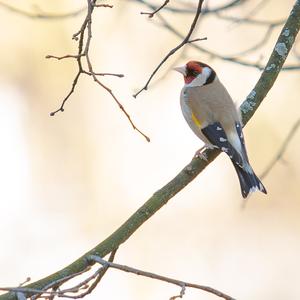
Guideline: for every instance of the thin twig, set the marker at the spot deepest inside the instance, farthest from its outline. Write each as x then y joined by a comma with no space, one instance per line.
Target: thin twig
282,149
251,21
212,54
150,15
256,9
258,45
171,9
92,73
277,157
159,277
63,57
189,172
104,74
25,281
98,275
182,292
61,108
83,53
196,40
103,5
54,285
186,40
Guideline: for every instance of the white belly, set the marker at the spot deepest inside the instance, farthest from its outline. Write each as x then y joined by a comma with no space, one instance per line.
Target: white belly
187,113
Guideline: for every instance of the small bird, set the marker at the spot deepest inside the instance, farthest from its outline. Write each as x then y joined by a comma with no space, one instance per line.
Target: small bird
211,114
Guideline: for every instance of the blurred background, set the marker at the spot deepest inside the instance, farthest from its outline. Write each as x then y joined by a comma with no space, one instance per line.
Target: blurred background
68,181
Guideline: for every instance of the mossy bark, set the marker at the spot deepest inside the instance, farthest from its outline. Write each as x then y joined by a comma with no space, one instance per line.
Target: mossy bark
196,166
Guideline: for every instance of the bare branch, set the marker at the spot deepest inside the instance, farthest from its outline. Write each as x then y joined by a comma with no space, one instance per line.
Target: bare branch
170,67
54,285
282,149
258,45
25,281
179,283
83,53
278,155
99,275
186,40
182,292
268,77
150,15
61,108
91,72
171,9
104,74
103,5
196,40
212,54
65,56
251,21
224,7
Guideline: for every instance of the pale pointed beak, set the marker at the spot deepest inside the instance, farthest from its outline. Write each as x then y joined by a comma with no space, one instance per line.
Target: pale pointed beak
181,70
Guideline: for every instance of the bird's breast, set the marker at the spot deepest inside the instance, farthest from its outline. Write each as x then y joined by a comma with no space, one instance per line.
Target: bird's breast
190,116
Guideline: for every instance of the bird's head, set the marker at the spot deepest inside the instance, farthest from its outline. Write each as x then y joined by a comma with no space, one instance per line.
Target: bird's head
196,73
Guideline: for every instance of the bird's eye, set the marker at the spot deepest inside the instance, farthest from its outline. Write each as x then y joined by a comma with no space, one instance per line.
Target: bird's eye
193,73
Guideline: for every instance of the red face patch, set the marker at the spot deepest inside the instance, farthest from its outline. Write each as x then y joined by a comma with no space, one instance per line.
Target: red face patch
188,79
193,65
193,69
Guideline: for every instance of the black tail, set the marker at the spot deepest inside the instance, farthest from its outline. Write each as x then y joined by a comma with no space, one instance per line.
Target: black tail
248,180
217,136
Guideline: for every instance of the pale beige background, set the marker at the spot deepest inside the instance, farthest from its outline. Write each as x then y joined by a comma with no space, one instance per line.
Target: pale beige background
70,180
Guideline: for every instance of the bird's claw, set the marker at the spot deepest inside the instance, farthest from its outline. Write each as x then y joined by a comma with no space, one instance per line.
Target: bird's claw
200,154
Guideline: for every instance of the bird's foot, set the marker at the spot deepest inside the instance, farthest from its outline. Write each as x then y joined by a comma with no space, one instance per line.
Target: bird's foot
201,154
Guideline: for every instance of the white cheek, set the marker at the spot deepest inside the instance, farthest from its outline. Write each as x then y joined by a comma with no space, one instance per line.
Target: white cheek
201,79
198,81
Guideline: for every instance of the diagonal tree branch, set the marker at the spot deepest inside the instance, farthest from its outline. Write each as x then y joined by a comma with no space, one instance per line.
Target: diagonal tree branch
180,283
196,166
151,14
213,54
54,288
84,37
186,40
282,149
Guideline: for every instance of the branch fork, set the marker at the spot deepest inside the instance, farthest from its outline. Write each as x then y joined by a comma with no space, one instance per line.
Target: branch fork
83,53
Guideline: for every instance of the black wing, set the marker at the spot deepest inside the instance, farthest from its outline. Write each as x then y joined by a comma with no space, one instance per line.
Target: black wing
217,136
239,131
248,180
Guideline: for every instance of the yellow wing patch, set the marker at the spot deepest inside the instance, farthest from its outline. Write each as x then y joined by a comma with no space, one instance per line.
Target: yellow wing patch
196,121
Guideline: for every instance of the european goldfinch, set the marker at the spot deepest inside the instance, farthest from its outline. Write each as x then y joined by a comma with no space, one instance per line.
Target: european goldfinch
211,114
